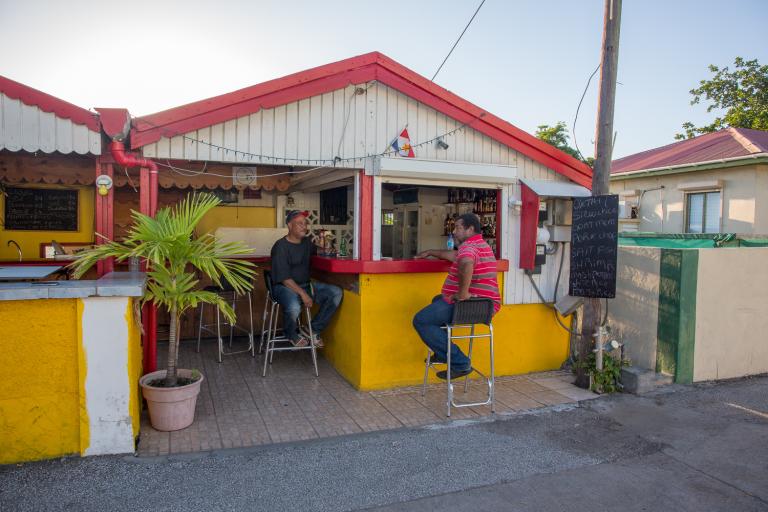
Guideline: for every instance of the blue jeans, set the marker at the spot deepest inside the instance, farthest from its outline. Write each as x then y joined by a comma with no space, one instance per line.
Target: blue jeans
428,323
326,296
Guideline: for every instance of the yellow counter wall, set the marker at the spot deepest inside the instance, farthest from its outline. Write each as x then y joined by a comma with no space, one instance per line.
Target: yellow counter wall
30,241
40,388
373,344
44,354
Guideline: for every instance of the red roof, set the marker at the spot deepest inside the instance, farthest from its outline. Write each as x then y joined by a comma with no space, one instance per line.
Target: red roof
727,143
48,103
355,70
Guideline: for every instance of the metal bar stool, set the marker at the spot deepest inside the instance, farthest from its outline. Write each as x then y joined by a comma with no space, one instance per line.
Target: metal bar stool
229,294
270,337
466,315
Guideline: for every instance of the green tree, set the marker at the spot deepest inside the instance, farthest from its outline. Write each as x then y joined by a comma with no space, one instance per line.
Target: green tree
558,137
742,93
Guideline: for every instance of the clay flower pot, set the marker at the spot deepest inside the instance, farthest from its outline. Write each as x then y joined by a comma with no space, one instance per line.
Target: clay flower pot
171,408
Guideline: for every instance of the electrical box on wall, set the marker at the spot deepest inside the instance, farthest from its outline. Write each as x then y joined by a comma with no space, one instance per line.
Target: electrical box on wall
546,217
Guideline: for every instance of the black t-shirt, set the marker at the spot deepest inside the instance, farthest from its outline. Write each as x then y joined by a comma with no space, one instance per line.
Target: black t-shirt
291,261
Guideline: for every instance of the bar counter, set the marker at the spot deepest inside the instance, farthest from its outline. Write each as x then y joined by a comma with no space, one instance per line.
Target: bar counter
371,340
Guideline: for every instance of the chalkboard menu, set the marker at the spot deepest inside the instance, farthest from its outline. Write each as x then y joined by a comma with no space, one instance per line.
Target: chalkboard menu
594,246
39,209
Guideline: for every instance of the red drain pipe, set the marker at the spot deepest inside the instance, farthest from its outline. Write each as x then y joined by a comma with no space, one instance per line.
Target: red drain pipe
148,206
117,149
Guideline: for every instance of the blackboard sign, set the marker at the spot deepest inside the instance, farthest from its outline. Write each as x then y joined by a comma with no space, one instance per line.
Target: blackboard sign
594,246
39,209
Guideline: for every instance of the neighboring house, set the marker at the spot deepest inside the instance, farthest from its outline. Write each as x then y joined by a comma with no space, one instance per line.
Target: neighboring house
714,183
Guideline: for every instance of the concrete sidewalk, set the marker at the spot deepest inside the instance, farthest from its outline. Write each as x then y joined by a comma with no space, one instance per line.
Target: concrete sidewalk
683,448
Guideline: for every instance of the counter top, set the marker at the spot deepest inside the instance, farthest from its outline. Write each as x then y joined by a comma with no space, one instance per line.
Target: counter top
114,284
350,266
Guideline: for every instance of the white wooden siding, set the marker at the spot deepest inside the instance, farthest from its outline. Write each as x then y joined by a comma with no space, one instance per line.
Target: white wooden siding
26,127
342,123
339,123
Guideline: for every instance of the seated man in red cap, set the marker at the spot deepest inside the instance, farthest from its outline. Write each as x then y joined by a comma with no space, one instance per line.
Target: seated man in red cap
290,276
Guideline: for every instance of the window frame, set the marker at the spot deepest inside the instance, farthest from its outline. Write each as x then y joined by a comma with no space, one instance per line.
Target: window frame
686,210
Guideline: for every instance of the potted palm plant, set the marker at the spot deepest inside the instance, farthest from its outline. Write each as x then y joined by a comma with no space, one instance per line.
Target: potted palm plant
173,258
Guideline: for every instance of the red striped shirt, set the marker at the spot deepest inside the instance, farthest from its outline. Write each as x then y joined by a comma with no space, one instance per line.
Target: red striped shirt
484,283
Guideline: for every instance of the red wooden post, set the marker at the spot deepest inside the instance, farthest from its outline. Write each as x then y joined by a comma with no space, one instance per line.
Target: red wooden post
148,206
105,223
366,217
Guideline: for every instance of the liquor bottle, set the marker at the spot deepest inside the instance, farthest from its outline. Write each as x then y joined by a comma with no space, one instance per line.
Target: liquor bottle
446,224
343,247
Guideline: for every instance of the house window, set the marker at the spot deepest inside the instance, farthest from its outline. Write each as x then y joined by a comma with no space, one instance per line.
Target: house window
702,212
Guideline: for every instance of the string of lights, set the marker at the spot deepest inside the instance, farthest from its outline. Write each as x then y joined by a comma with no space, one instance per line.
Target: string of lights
319,163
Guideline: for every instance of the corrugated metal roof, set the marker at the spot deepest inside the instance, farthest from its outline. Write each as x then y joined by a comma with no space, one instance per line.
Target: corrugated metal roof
727,143
32,120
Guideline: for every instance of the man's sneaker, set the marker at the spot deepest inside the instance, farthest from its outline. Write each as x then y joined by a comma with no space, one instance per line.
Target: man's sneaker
455,374
433,359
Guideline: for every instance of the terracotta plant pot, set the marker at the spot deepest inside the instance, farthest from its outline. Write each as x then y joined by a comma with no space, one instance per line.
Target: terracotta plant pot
170,408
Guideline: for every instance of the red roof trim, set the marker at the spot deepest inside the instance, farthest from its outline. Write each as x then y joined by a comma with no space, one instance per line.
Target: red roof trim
356,70
48,103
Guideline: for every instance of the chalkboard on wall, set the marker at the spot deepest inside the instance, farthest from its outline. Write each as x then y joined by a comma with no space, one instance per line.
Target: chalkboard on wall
39,209
594,246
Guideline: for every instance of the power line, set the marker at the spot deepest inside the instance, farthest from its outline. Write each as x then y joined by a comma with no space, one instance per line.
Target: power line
457,41
573,128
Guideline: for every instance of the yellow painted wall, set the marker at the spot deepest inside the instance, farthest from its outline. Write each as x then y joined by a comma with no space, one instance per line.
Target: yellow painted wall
30,241
40,388
237,217
391,354
135,364
343,347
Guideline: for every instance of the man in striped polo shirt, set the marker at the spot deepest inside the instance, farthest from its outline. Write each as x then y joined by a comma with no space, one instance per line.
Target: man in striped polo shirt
472,274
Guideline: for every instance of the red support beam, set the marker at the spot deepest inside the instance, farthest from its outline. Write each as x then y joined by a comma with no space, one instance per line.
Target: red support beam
366,217
105,222
499,220
148,206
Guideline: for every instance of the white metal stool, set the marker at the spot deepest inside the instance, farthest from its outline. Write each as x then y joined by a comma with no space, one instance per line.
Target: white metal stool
466,315
229,294
270,337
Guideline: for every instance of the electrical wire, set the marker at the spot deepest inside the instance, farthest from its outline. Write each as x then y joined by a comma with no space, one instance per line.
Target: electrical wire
576,117
457,41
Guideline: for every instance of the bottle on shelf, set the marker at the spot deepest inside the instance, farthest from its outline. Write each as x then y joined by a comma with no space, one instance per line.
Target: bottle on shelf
343,247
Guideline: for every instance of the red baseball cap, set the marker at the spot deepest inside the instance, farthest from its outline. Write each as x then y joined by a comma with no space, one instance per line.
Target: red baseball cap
292,214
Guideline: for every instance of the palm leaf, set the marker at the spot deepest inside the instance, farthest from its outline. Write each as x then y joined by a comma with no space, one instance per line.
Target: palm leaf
174,257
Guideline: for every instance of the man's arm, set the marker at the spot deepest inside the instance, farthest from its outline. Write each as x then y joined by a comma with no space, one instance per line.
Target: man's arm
466,269
443,255
291,285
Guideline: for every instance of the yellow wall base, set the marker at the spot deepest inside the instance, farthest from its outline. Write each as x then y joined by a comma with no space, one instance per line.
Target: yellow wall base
373,344
40,388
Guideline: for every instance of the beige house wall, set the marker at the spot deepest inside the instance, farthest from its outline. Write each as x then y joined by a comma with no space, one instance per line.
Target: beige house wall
634,313
744,199
731,319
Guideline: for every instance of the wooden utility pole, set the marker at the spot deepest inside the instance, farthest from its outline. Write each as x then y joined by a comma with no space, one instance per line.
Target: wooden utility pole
601,172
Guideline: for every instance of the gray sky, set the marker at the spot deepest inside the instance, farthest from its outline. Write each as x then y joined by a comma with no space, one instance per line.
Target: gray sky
525,61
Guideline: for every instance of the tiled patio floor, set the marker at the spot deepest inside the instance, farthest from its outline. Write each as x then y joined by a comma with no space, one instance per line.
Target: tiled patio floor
239,408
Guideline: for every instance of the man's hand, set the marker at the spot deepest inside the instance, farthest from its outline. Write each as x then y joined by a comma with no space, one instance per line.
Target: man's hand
306,299
461,296
424,254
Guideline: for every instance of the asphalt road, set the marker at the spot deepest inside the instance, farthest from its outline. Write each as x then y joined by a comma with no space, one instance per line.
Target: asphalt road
681,448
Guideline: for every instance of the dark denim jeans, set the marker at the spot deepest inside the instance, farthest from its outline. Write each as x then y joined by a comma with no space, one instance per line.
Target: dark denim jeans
428,323
326,296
